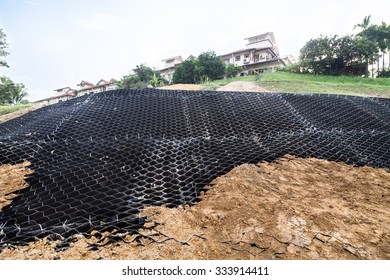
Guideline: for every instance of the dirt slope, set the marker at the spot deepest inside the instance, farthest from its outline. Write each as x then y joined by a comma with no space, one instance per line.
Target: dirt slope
19,113
182,87
242,86
290,209
12,179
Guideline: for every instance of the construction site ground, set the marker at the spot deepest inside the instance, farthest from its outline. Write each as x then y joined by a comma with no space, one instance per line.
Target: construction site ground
293,208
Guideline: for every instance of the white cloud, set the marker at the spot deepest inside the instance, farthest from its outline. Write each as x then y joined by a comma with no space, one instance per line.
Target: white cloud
102,22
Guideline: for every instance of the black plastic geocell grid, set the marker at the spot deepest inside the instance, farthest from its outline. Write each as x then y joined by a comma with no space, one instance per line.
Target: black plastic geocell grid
99,159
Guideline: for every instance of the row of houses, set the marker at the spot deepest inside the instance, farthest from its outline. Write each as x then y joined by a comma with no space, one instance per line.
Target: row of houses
84,87
260,51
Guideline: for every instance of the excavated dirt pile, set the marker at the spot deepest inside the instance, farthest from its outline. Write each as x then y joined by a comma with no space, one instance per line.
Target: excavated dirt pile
290,209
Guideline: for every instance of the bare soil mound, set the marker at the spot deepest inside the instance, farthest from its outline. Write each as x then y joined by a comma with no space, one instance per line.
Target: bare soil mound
293,208
12,179
182,87
19,113
242,86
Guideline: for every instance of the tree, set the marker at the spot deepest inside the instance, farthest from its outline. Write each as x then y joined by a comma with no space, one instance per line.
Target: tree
185,73
348,55
3,48
365,23
378,34
11,93
232,71
143,77
144,73
209,67
157,81
131,81
315,56
368,49
383,40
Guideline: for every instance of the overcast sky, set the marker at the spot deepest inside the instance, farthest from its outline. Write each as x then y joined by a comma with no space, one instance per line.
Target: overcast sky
54,44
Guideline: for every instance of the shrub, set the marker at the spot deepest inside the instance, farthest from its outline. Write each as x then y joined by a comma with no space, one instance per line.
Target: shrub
232,71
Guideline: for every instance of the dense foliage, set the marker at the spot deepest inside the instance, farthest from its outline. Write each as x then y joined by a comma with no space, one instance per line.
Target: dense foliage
10,93
335,55
232,71
185,73
347,55
143,76
380,35
210,67
3,48
207,67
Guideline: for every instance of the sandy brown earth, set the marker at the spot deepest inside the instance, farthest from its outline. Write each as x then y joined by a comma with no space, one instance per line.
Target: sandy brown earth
182,87
12,179
293,208
19,113
242,86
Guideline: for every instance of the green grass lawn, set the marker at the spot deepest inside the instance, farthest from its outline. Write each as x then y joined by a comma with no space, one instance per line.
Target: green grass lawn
306,83
12,108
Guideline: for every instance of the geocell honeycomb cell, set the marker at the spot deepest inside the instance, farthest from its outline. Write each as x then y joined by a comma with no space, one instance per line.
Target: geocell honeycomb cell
97,160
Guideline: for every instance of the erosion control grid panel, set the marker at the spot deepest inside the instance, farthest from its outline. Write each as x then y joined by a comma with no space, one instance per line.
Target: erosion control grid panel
97,160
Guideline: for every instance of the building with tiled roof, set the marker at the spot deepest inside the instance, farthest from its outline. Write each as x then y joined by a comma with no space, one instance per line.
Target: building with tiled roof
84,87
260,51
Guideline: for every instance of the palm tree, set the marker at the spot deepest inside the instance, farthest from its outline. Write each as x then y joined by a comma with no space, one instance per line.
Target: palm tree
365,24
369,34
383,38
380,34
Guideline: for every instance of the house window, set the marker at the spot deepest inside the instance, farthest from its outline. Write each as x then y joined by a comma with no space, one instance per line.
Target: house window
246,58
238,58
256,58
226,61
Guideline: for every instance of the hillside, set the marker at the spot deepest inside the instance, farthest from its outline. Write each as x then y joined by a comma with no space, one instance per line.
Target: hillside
303,83
269,82
101,164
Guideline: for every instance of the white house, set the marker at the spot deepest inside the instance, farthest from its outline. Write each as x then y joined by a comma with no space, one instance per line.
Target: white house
65,90
88,88
260,51
169,67
61,94
84,87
